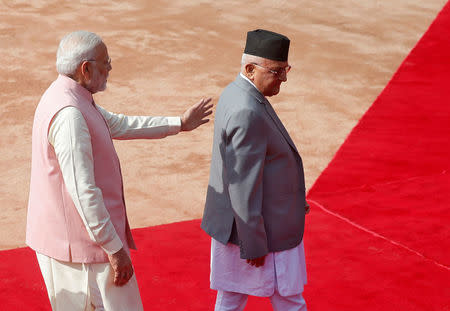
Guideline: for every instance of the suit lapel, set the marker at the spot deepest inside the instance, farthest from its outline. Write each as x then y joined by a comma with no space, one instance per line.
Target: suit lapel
278,123
247,87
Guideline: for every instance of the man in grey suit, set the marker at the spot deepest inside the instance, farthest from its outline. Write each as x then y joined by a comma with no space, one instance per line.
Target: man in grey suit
255,205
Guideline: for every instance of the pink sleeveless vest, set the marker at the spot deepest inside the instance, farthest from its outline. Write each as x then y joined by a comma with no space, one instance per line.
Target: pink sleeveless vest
54,227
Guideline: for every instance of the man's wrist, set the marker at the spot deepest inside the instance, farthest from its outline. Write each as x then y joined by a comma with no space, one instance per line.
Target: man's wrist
112,246
174,124
182,124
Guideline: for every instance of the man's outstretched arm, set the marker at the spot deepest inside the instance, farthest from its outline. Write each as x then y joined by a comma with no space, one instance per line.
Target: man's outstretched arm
149,127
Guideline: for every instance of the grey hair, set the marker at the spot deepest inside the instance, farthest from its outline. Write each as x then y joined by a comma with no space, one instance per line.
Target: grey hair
248,59
75,48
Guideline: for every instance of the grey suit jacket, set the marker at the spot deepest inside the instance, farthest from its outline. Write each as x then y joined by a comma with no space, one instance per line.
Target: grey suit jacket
256,192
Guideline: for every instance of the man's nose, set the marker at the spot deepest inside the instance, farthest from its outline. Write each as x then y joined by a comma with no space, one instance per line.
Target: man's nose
283,76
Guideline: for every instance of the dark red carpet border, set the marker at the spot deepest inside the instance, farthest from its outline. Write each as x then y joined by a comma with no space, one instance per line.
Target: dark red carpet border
378,235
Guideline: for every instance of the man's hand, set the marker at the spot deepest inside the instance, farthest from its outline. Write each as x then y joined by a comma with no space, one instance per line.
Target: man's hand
195,115
121,264
257,262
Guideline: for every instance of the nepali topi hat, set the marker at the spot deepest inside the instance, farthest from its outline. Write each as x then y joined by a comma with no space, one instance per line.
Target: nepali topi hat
267,44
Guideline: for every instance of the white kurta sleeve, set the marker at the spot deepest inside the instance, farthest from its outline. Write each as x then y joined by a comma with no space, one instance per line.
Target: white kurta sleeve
135,127
69,136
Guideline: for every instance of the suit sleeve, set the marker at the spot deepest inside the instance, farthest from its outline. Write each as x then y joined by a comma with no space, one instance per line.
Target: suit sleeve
245,150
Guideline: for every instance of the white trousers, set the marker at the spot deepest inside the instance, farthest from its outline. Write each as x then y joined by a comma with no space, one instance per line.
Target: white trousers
87,287
230,301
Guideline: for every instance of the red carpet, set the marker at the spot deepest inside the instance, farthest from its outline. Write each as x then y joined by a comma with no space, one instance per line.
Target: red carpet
172,267
382,207
377,237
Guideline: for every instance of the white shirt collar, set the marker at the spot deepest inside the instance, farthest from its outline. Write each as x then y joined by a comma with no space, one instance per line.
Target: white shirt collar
243,76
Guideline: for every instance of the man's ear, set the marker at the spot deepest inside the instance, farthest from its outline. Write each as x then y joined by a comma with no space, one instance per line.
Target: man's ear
249,70
85,70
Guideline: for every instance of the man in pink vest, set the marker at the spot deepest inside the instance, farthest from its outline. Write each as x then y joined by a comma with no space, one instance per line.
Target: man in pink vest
77,221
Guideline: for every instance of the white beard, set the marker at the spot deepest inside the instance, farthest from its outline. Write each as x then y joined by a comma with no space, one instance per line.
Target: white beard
97,83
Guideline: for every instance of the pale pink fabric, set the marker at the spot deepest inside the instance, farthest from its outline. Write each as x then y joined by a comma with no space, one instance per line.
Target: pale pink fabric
70,138
69,135
284,272
54,227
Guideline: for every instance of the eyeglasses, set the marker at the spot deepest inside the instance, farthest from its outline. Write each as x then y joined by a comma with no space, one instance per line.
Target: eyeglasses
107,63
278,72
